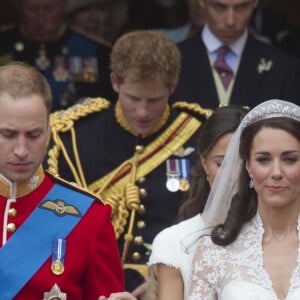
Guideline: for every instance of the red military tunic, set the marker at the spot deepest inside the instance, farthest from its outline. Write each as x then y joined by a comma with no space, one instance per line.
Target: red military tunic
92,265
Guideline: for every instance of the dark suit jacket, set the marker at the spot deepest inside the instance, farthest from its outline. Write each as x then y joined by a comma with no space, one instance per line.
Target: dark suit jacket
196,82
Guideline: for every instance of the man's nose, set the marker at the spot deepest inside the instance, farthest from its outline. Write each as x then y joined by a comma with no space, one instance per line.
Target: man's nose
21,148
230,17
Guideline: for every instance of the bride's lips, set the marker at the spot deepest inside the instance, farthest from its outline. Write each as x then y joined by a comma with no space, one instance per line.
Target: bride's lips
276,188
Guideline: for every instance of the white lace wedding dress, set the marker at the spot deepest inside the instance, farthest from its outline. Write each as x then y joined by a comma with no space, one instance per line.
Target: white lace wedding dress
236,272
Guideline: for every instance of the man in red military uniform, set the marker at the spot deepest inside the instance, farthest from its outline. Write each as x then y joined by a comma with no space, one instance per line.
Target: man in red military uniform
57,240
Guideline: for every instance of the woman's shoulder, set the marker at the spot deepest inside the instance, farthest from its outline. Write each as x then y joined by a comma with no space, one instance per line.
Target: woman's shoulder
173,238
179,231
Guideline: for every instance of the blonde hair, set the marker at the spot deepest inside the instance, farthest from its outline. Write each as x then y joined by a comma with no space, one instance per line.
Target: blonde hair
19,79
148,55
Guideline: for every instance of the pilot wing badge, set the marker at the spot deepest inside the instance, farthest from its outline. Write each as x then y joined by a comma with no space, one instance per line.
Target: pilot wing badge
60,208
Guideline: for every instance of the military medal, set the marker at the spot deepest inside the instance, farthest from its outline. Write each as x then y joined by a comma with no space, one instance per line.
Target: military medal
173,183
60,73
75,67
58,256
90,69
184,174
42,61
57,267
184,185
55,294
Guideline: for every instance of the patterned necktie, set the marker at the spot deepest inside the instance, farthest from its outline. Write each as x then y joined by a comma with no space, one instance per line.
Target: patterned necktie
225,72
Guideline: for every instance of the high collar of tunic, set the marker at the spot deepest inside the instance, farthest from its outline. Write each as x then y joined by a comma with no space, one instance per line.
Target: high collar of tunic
124,123
13,190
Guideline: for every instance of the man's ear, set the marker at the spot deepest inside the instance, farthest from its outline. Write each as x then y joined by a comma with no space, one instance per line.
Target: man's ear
172,89
114,82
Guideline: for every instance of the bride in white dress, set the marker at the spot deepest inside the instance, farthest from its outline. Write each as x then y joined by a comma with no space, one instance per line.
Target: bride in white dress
252,251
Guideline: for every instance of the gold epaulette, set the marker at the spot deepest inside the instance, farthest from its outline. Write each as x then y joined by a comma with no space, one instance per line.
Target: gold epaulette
193,107
63,121
74,186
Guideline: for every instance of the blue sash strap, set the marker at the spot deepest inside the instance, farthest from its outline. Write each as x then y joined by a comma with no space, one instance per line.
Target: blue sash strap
31,245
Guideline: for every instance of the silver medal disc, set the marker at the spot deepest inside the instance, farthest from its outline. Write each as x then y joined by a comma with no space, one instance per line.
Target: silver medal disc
173,184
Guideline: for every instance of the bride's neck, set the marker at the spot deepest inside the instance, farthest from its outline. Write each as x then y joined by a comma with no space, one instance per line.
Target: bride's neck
280,224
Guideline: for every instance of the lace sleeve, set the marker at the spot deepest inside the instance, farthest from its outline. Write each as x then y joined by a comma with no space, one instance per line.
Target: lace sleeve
203,278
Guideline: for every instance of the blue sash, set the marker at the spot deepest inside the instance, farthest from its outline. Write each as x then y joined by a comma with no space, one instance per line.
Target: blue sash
31,245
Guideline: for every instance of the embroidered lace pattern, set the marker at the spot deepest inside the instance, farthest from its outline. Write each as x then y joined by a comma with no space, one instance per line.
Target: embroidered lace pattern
236,271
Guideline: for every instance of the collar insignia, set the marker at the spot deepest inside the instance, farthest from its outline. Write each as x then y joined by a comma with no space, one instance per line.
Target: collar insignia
181,152
60,208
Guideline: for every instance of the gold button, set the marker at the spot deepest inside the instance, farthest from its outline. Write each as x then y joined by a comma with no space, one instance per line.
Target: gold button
143,193
141,209
12,212
142,180
136,256
141,224
11,227
138,240
139,149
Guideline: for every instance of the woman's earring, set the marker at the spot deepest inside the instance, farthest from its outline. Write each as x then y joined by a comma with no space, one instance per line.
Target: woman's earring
207,177
251,185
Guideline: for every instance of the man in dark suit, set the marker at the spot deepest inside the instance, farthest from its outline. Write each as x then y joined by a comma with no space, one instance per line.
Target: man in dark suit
254,70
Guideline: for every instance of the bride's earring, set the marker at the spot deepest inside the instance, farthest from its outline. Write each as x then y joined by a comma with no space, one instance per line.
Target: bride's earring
251,185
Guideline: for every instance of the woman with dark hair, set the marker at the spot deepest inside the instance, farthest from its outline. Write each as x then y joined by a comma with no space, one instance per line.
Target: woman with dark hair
252,251
171,250
223,122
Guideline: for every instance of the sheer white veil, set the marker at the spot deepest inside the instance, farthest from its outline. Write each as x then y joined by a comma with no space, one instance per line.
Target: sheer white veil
226,182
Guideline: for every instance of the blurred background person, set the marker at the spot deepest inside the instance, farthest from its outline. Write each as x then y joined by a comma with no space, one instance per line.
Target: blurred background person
100,19
279,21
7,12
225,64
194,21
75,65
